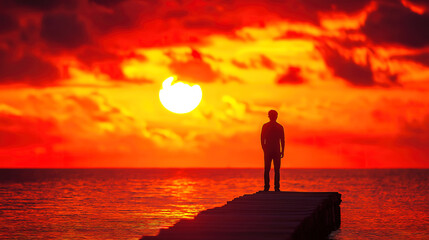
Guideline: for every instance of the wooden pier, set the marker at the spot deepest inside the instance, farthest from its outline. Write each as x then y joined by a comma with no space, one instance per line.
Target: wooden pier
262,216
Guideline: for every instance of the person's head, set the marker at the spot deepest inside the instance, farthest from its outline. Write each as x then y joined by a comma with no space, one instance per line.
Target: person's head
272,114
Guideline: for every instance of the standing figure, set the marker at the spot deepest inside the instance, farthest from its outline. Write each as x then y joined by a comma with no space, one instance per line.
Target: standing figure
273,144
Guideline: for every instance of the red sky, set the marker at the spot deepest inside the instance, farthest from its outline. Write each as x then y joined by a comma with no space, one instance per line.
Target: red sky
79,82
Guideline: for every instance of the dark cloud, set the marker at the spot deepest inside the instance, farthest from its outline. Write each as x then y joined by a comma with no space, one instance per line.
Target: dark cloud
336,5
107,3
42,5
64,30
292,76
308,10
29,35
422,58
107,62
26,69
219,16
8,23
395,24
347,69
236,14
126,15
112,26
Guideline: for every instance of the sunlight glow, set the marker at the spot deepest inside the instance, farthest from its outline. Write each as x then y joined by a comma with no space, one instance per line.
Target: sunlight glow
179,97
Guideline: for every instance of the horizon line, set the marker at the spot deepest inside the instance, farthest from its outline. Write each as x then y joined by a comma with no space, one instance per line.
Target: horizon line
327,168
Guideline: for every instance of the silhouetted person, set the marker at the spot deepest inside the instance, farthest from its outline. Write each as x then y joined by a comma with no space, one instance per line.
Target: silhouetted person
273,144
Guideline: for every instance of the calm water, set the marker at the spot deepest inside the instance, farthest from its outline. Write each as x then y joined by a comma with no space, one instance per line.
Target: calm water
129,203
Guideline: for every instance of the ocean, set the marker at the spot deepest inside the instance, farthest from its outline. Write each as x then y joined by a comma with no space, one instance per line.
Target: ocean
130,203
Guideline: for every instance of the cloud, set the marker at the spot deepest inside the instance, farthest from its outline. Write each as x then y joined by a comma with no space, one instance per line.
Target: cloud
103,61
291,77
235,115
418,6
89,129
347,69
396,24
45,5
27,68
107,3
415,133
336,5
308,11
266,62
73,132
93,120
64,30
122,15
93,55
18,131
194,68
8,23
422,58
261,61
239,64
97,35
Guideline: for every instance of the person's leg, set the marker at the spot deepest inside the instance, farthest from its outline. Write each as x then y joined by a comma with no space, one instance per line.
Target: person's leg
276,160
267,166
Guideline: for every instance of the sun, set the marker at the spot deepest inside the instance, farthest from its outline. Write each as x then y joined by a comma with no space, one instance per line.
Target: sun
179,97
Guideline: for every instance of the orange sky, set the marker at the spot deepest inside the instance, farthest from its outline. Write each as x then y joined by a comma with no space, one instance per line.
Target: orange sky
79,82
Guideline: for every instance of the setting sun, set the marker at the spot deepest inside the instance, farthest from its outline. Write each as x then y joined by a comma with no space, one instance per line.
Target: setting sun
179,97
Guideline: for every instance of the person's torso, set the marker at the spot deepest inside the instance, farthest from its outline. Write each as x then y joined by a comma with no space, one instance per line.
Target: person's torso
273,134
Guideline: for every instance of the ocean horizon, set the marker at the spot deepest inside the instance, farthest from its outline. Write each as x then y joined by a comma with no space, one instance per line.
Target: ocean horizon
127,203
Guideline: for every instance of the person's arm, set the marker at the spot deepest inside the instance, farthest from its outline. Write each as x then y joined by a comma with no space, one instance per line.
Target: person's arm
282,142
263,137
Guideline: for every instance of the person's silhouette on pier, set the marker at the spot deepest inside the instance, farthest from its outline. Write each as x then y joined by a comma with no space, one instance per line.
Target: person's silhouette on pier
273,144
